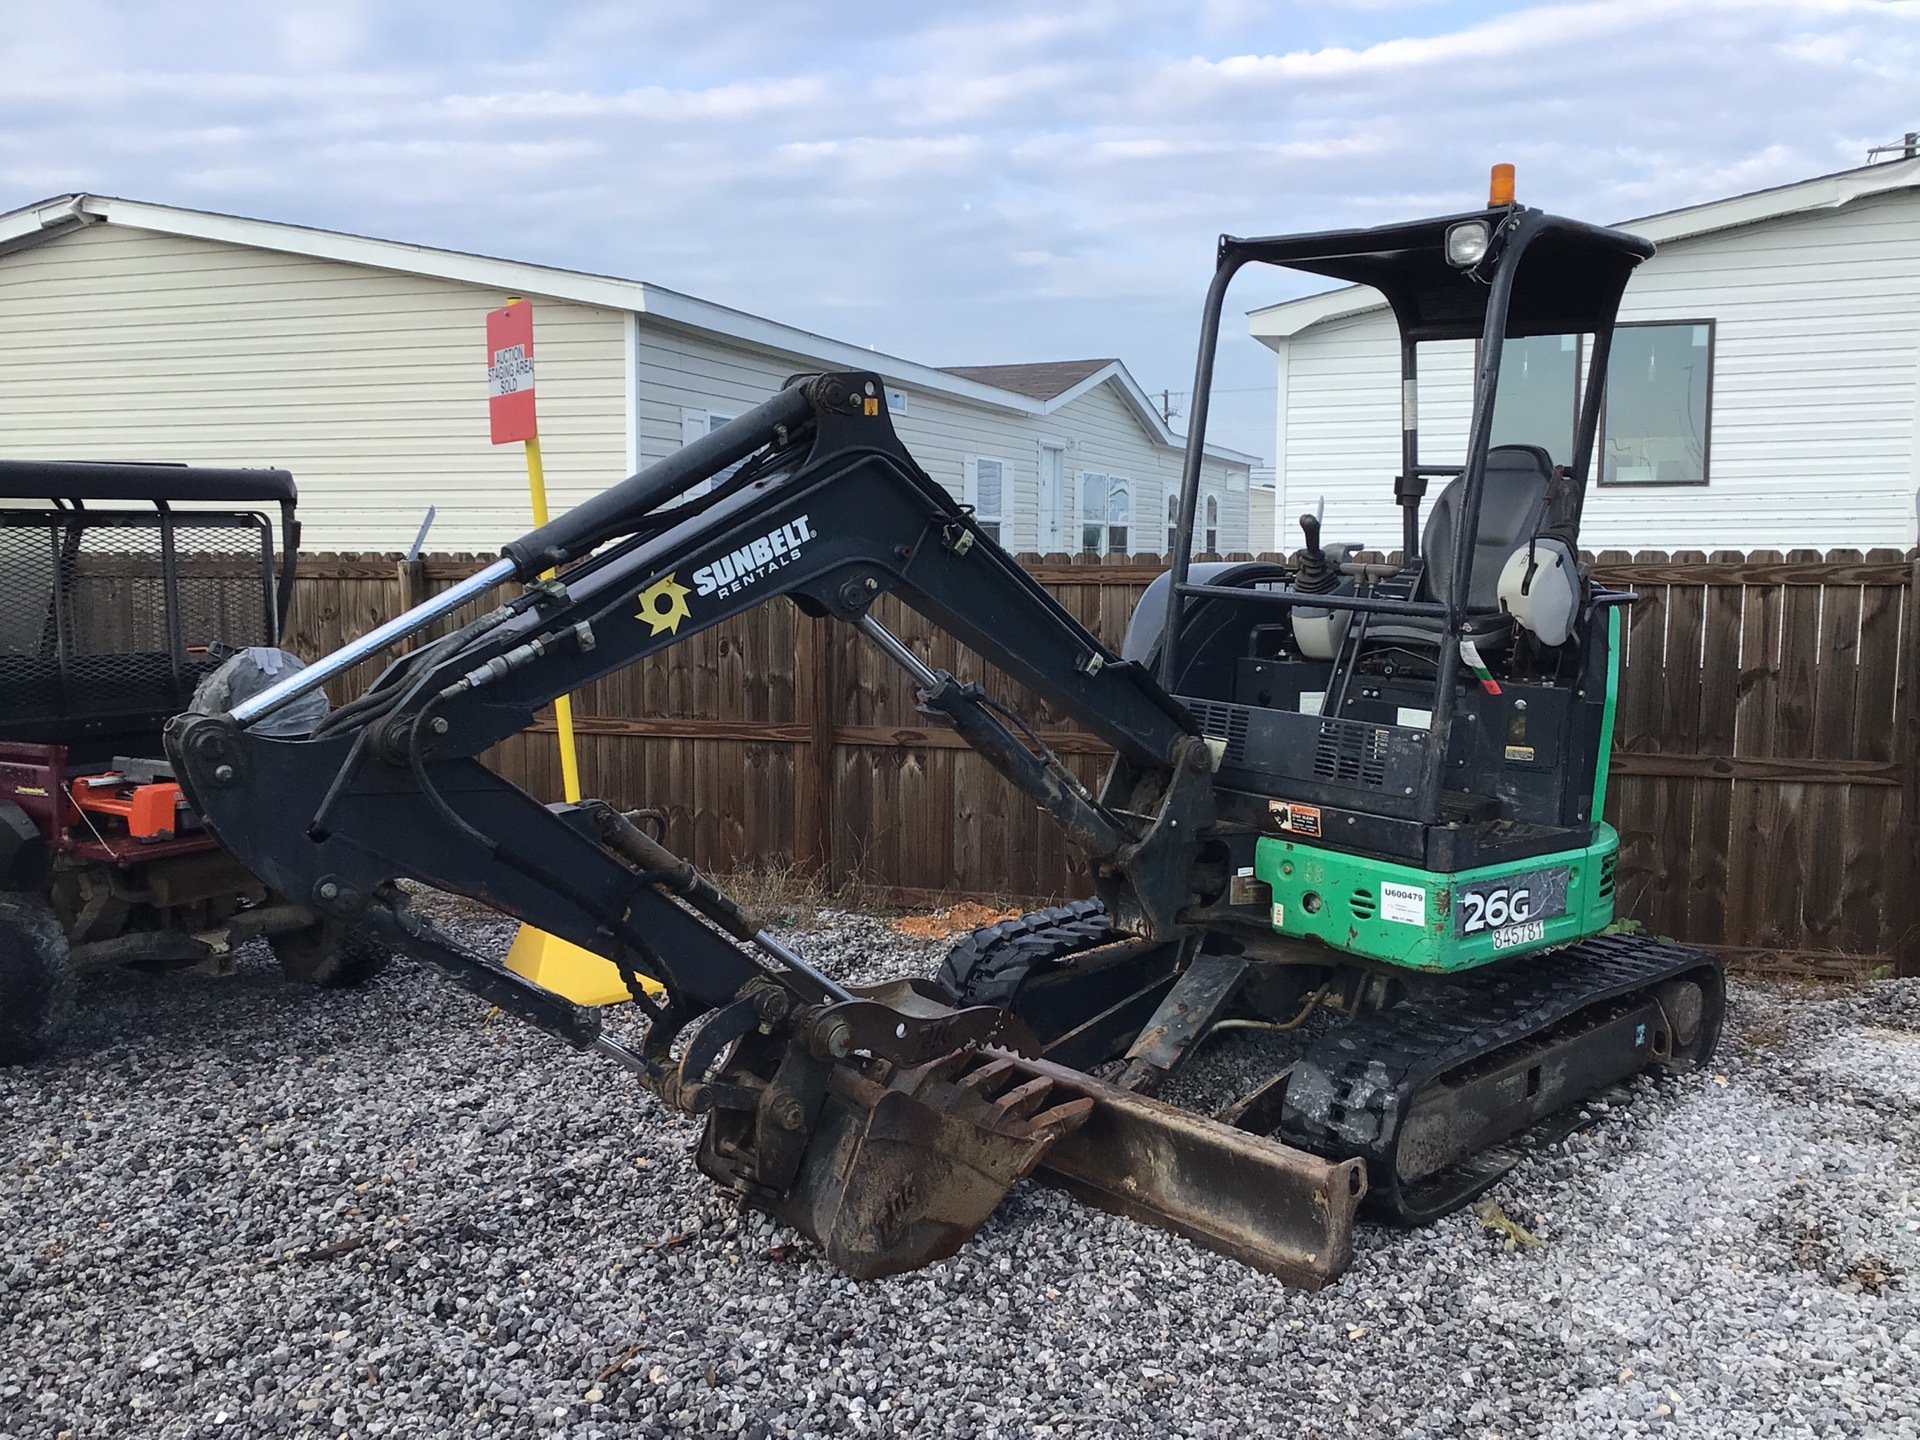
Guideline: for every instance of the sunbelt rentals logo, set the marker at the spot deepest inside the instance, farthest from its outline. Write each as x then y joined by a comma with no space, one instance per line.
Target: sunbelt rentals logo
731,574
663,605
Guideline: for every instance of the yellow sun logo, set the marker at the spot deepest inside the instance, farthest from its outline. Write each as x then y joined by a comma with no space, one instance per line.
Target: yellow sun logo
663,605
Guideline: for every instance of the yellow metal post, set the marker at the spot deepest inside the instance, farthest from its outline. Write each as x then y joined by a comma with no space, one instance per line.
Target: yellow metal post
562,705
561,966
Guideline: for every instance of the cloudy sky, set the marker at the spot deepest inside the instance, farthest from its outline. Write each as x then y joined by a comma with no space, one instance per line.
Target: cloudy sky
960,184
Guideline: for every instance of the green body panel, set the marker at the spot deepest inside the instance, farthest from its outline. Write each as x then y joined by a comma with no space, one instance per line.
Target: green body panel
1407,916
1603,767
1365,907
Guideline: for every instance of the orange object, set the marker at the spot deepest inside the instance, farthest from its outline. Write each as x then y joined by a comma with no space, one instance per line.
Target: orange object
147,810
1500,187
954,920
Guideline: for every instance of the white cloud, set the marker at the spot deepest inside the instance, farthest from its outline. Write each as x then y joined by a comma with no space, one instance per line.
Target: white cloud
1016,182
740,101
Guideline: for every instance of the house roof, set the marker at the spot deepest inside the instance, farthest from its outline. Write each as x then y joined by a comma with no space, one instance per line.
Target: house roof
1043,380
45,220
1272,325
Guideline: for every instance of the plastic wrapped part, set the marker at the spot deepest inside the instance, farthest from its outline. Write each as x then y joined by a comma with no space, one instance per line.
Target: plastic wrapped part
1540,588
1318,633
249,672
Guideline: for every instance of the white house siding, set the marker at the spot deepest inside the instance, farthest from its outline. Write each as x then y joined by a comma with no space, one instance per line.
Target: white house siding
1340,425
1815,401
682,369
1106,439
1264,522
369,385
679,370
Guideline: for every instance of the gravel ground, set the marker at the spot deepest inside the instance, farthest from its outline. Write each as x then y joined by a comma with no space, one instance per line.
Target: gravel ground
235,1208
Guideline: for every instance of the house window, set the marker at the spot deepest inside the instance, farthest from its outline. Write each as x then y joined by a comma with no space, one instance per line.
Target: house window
1539,390
986,492
696,423
1173,522
1213,524
1106,513
1659,404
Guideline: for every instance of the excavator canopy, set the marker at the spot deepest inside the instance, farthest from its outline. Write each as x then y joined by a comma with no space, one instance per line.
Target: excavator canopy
1569,280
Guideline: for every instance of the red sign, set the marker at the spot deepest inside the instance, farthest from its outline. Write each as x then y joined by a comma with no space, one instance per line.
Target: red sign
510,373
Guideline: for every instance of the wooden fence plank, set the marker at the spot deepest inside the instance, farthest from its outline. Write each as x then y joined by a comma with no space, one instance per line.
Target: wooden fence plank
1770,768
1791,572
1754,805
1786,850
815,696
1903,929
1712,795
1678,722
1870,870
1641,807
1836,670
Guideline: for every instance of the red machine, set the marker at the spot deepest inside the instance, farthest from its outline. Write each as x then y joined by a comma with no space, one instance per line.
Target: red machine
122,588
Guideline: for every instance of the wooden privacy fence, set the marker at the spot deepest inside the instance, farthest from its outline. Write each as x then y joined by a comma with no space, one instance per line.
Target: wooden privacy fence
1765,779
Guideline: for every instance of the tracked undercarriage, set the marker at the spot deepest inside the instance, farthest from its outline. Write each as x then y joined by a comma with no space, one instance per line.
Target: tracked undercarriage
1439,1088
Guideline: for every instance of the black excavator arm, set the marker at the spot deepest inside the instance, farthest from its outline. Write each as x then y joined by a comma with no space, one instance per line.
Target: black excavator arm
885,1123
832,512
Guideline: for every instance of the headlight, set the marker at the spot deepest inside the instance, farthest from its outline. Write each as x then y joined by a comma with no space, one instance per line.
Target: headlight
1467,243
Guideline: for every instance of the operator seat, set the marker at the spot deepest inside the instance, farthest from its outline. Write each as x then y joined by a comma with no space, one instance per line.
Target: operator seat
1513,509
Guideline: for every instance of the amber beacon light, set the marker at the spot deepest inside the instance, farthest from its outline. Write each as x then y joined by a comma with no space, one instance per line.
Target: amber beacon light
1500,187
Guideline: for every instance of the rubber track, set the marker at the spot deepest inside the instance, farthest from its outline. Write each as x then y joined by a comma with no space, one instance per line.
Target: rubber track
1351,1091
988,965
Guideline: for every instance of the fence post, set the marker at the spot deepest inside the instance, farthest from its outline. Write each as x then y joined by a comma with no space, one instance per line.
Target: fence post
1906,914
412,575
816,694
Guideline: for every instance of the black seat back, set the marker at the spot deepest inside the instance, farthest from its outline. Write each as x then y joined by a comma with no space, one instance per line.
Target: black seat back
1513,506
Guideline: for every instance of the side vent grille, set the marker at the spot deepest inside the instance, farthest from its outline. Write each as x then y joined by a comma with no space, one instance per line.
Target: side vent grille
1363,904
1352,753
1606,874
1223,722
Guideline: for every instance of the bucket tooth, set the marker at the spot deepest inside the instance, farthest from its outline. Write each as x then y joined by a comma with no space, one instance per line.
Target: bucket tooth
986,1079
1025,1099
1064,1119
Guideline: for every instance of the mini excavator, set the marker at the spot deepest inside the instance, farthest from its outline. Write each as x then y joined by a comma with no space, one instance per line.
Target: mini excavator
1359,802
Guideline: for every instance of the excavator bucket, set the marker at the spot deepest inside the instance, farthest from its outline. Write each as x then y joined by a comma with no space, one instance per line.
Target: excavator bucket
900,1175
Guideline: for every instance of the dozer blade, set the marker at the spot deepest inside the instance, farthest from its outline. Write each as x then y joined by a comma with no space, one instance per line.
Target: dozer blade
901,1174
1265,1204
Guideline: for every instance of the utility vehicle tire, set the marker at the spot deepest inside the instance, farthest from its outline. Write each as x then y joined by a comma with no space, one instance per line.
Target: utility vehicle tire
36,982
988,966
330,955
